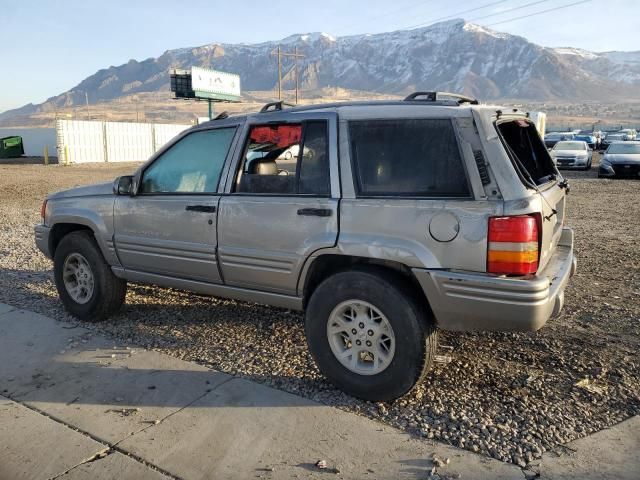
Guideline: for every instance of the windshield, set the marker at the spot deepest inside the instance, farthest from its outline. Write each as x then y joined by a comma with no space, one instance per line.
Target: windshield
624,148
570,146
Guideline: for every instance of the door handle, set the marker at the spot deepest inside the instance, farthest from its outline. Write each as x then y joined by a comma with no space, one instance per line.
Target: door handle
201,208
317,212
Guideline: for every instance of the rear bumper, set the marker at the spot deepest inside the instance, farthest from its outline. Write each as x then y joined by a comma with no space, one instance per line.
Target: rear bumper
42,239
476,302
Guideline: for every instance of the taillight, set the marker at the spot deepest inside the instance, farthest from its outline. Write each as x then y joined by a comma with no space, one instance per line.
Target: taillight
513,245
43,210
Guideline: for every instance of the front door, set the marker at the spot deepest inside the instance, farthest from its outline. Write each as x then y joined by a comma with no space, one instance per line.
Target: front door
169,227
281,203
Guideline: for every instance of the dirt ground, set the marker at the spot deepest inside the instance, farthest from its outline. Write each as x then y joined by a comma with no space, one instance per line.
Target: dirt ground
510,396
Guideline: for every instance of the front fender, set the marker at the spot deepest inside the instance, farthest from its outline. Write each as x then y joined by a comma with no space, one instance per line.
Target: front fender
94,213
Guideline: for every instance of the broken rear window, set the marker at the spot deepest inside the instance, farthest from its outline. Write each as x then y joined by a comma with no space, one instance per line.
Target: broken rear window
527,151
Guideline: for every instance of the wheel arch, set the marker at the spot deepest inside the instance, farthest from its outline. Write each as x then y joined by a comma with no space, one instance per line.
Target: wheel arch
63,228
323,266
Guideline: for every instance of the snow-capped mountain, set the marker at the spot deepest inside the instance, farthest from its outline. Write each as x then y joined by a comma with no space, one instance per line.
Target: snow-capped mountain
617,66
450,56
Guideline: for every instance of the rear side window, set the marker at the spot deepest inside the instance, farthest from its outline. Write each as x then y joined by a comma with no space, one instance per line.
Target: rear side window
407,158
286,159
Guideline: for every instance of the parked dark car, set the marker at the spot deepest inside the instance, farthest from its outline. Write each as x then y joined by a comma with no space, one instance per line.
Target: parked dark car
622,159
550,139
612,138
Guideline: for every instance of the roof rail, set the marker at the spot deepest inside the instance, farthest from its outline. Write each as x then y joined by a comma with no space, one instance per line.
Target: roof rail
275,106
437,96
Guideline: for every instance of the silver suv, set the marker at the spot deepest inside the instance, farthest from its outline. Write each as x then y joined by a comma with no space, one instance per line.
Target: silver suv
384,221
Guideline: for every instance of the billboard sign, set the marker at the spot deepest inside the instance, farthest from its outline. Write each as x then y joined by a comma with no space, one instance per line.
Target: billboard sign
207,83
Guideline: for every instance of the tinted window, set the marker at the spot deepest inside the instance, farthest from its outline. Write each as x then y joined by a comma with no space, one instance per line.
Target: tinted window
314,165
192,165
407,158
286,159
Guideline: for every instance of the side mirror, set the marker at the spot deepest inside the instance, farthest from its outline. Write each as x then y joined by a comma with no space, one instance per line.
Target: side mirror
123,185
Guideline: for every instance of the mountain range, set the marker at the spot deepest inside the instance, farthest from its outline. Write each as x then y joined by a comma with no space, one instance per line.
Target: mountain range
454,56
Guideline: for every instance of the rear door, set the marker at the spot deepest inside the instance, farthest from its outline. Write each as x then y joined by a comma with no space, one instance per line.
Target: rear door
169,227
281,200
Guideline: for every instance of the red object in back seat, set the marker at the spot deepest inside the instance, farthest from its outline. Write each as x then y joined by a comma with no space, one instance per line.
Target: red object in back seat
280,135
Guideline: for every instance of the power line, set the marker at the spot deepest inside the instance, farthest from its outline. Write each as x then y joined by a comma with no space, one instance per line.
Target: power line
537,13
387,14
457,14
508,10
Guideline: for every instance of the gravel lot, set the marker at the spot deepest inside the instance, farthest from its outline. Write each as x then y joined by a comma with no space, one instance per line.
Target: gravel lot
509,396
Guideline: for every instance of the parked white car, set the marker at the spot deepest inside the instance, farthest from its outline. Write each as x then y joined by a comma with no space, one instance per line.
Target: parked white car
572,154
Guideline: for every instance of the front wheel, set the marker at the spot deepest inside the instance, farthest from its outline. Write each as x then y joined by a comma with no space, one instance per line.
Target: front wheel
368,337
87,287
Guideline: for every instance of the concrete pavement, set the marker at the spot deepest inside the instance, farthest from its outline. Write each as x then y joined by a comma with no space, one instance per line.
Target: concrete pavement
75,406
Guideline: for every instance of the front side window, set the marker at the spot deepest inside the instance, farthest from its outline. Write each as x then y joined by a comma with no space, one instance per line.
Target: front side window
192,165
407,158
286,159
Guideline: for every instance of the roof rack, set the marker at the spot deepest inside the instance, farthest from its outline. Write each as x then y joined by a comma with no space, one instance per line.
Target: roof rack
275,106
437,97
221,116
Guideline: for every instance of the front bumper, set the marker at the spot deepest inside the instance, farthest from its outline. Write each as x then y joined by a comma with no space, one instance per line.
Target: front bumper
42,239
574,163
622,170
476,302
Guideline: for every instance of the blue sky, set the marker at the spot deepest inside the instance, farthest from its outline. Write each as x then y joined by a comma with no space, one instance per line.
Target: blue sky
51,45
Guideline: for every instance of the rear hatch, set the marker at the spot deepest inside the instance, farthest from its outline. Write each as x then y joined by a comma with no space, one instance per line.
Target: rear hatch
536,171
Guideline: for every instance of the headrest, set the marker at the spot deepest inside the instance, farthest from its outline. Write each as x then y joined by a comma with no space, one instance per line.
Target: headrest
263,166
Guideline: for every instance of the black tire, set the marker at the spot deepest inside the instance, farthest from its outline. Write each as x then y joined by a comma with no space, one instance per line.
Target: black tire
109,291
413,326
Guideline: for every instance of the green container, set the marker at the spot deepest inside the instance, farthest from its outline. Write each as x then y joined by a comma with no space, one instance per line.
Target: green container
11,147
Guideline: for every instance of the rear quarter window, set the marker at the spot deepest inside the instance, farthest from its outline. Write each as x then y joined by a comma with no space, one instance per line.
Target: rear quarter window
407,158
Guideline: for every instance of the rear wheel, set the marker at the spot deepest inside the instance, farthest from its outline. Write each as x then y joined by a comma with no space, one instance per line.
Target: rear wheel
87,287
367,336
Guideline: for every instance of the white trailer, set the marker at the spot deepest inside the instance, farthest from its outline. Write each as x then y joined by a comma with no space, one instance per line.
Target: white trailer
540,121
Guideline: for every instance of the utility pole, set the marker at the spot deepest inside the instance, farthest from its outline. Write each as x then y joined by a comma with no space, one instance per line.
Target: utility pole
279,54
295,56
86,99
